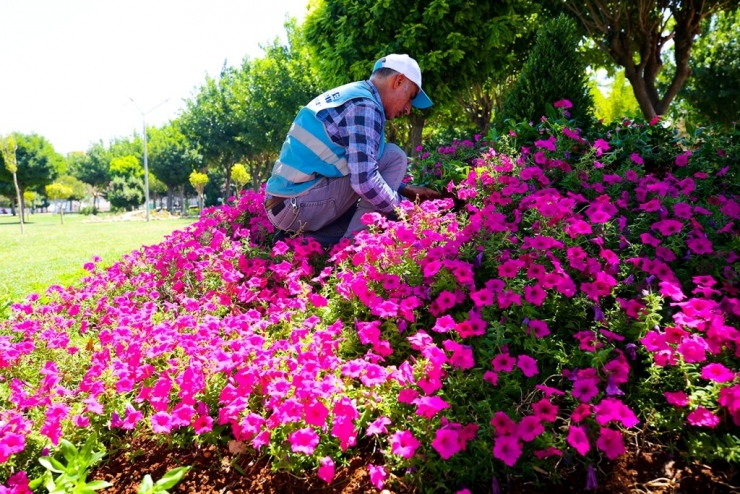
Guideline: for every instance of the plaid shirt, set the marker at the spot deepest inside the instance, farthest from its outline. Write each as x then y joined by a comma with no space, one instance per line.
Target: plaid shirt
357,126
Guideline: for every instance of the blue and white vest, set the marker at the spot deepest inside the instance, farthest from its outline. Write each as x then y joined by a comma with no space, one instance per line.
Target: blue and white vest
308,153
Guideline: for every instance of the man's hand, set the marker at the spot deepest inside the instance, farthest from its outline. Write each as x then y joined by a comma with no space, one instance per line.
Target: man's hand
414,192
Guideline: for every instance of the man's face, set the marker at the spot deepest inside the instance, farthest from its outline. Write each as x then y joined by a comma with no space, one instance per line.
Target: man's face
398,102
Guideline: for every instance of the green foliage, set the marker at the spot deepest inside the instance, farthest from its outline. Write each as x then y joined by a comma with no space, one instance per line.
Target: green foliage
92,167
126,192
38,164
171,156
76,187
72,476
126,166
619,103
713,86
198,180
554,71
168,481
244,115
57,191
458,44
239,175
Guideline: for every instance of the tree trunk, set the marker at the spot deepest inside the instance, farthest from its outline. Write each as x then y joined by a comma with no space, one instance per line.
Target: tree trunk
170,197
61,211
20,201
417,126
182,200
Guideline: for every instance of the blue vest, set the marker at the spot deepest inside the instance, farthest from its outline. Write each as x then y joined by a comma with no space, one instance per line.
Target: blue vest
308,153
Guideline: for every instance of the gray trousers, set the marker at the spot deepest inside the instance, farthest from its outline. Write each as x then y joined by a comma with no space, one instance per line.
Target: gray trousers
332,197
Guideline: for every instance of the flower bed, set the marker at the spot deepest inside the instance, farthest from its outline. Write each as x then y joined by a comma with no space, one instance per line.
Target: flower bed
573,301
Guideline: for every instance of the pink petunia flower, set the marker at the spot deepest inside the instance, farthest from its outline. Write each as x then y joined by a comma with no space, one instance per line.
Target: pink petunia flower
528,365
578,439
403,444
676,398
611,443
717,372
507,449
701,417
303,440
446,443
378,475
326,470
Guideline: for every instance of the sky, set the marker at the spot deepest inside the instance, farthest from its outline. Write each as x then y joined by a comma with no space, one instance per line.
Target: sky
69,68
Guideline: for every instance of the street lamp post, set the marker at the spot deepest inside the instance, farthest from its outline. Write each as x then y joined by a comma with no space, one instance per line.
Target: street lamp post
146,156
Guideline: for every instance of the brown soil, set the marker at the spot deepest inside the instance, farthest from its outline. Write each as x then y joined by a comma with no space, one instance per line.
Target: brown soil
216,471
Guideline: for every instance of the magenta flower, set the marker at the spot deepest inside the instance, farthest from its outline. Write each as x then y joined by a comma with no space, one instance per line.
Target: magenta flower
507,449
378,475
717,372
503,362
161,423
326,470
528,365
676,398
446,443
563,103
545,410
529,428
578,439
403,444
611,443
303,440
701,417
315,413
378,426
503,424
429,406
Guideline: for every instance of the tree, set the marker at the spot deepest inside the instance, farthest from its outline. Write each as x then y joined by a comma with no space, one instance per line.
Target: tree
244,116
58,192
713,88
126,189
198,181
8,148
211,123
171,157
37,164
554,71
457,43
239,176
77,188
93,168
634,34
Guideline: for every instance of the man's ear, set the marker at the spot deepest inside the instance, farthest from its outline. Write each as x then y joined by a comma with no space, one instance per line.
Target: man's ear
398,81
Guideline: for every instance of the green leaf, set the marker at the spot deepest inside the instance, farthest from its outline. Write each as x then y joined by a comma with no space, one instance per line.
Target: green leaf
51,464
95,485
171,478
550,110
68,450
87,449
146,485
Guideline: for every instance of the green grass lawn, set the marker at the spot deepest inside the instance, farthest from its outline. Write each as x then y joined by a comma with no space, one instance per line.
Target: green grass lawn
50,253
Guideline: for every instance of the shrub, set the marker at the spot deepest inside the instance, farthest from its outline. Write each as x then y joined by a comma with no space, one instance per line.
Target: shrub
554,71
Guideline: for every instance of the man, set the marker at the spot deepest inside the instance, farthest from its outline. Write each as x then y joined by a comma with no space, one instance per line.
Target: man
335,154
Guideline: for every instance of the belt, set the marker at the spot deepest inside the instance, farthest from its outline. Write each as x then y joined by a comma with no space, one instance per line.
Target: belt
275,204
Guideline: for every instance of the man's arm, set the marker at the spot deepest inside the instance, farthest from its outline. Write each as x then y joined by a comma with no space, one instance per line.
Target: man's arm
363,129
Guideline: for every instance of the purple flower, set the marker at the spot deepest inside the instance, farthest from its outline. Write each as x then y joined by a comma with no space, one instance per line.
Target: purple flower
591,483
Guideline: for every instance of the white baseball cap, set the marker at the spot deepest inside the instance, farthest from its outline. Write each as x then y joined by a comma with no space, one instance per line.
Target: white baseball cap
407,66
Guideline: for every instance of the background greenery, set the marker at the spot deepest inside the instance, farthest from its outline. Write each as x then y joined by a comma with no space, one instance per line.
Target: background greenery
474,56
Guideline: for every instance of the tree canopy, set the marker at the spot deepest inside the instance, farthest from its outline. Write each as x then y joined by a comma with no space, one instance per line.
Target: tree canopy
635,33
457,43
